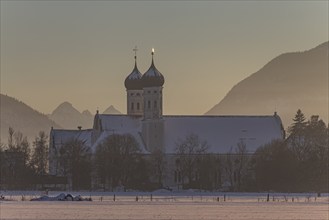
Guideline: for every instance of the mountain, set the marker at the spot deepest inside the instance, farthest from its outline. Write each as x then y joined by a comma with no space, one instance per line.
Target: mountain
69,117
87,113
291,81
23,118
112,110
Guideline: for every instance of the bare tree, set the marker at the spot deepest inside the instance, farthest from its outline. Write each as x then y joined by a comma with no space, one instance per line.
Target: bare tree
116,159
241,162
16,161
189,151
75,162
18,143
236,163
40,154
229,167
158,162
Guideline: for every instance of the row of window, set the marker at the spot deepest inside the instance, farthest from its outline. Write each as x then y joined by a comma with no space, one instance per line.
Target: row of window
149,104
155,105
132,106
149,92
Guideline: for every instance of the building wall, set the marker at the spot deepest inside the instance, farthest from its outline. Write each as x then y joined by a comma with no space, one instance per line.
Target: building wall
152,132
135,102
152,102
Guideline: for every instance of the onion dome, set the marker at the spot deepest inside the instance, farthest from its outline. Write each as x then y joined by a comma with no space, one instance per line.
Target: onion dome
152,77
133,80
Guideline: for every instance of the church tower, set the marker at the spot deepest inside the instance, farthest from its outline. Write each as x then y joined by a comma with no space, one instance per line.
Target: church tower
152,124
133,84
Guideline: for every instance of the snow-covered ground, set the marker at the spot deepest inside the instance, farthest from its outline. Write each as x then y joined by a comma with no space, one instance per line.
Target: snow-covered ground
168,205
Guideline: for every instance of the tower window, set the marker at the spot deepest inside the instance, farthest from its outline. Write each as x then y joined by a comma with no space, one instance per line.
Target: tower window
137,105
155,104
132,106
149,104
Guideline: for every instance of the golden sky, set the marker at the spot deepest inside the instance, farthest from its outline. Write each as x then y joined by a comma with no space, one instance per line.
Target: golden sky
81,51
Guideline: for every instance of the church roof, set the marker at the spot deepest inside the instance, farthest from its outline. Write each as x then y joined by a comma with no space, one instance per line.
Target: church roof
133,80
60,136
122,124
152,77
221,132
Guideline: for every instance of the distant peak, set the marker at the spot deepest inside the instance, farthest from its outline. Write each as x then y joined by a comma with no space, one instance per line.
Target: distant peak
111,110
65,107
87,113
65,104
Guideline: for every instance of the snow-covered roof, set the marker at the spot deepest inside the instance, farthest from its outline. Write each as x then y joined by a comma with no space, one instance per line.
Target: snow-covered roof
221,132
120,124
152,77
106,134
133,80
60,136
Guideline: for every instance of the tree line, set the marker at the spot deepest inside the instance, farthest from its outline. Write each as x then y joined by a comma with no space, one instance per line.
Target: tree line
21,165
299,163
296,164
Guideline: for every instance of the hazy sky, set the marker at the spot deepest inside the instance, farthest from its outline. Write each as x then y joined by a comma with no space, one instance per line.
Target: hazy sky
81,51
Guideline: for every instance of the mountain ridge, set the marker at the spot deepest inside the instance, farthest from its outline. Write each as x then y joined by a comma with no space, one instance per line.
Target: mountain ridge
286,83
23,118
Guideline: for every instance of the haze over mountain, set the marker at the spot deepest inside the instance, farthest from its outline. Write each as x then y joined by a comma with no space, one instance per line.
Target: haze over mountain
111,110
291,81
69,117
23,118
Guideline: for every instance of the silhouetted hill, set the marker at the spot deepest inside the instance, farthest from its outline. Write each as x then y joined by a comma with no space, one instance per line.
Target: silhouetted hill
111,110
69,117
87,113
288,82
23,118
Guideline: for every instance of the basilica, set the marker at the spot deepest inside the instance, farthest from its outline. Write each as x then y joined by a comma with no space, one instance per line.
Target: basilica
153,130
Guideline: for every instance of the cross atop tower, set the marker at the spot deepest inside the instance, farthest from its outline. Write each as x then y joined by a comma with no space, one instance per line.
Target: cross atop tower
135,50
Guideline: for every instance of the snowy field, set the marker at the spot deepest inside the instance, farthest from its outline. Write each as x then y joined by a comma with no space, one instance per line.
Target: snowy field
167,205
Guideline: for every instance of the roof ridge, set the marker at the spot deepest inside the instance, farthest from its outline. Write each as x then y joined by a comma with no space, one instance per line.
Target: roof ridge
89,129
220,116
203,116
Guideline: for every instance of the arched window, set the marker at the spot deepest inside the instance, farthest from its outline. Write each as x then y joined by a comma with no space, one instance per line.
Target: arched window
137,105
149,104
132,106
155,104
